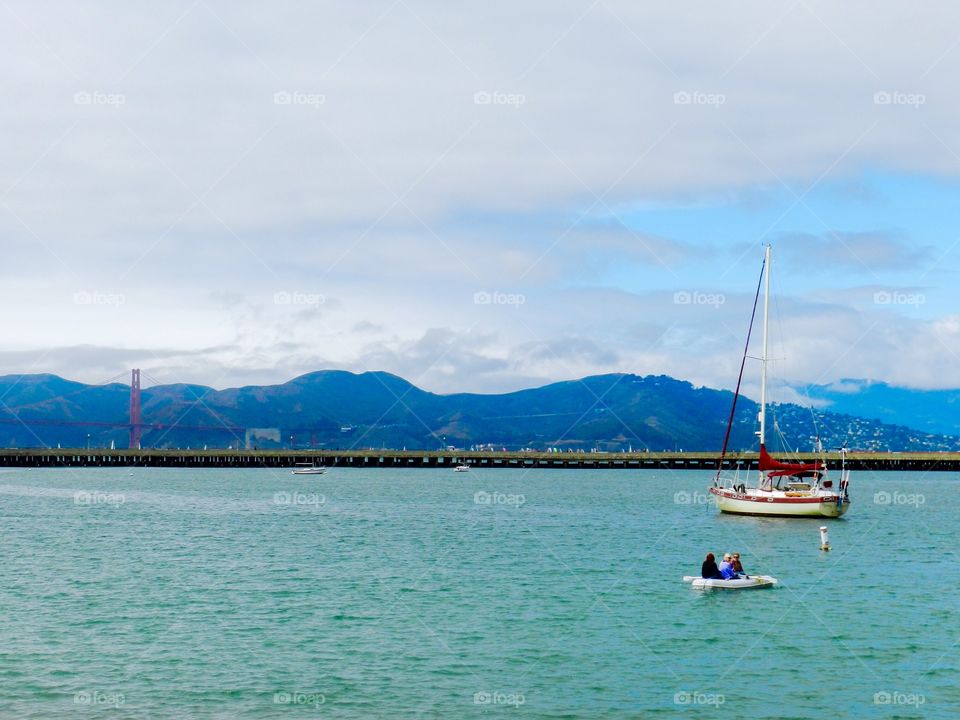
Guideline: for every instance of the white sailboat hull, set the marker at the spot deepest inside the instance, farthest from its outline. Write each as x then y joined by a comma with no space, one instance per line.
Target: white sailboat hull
779,504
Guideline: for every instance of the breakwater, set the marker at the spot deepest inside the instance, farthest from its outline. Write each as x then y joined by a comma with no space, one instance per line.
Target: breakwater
94,457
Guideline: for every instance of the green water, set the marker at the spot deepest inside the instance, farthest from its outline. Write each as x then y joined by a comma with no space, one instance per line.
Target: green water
366,594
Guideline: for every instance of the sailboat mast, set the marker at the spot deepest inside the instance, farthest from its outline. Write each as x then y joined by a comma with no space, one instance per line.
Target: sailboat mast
763,356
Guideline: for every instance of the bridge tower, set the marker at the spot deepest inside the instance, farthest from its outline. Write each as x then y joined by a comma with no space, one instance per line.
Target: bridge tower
135,419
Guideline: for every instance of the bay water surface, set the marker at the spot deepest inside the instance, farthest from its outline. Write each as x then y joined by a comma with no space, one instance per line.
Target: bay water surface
162,593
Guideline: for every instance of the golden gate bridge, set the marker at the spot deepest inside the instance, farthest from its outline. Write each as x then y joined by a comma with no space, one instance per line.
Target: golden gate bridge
134,422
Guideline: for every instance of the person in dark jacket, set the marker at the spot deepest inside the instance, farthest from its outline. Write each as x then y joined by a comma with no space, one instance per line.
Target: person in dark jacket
709,569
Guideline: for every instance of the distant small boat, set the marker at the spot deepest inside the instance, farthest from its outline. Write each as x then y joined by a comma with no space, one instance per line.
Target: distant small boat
753,582
462,468
309,469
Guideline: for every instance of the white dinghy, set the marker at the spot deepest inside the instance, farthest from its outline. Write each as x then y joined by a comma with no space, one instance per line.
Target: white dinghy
753,582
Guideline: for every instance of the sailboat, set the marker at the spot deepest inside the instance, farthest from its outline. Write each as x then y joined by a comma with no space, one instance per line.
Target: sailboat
309,469
781,489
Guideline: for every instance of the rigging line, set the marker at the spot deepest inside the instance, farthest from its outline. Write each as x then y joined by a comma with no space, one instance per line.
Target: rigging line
115,378
783,358
779,371
191,387
195,402
816,425
783,440
150,378
743,362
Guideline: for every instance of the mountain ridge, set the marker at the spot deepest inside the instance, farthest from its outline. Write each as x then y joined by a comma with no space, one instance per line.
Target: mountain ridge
936,411
339,409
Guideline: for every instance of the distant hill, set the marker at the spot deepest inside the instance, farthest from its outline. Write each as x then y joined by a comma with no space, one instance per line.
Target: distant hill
338,409
935,411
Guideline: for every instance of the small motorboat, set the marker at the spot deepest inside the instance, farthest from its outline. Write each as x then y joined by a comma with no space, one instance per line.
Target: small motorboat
462,468
747,582
309,469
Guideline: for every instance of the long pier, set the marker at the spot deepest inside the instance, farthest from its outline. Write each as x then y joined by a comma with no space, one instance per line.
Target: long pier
95,457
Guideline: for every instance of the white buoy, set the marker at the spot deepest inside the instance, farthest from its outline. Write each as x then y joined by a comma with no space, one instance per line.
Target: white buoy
824,538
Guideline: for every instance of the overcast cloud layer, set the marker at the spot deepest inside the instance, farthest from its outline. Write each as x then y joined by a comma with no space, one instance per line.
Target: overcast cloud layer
478,197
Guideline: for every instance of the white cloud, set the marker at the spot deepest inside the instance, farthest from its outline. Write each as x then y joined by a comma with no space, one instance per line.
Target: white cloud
859,251
383,187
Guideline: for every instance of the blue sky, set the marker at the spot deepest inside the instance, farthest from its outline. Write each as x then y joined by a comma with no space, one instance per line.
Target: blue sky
918,213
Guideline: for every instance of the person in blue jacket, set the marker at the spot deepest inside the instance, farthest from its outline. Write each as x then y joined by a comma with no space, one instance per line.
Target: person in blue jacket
726,568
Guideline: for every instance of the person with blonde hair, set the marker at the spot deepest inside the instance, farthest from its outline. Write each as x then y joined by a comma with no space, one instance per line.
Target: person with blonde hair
726,568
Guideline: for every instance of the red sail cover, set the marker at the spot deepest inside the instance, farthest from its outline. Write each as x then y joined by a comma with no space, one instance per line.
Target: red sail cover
768,463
